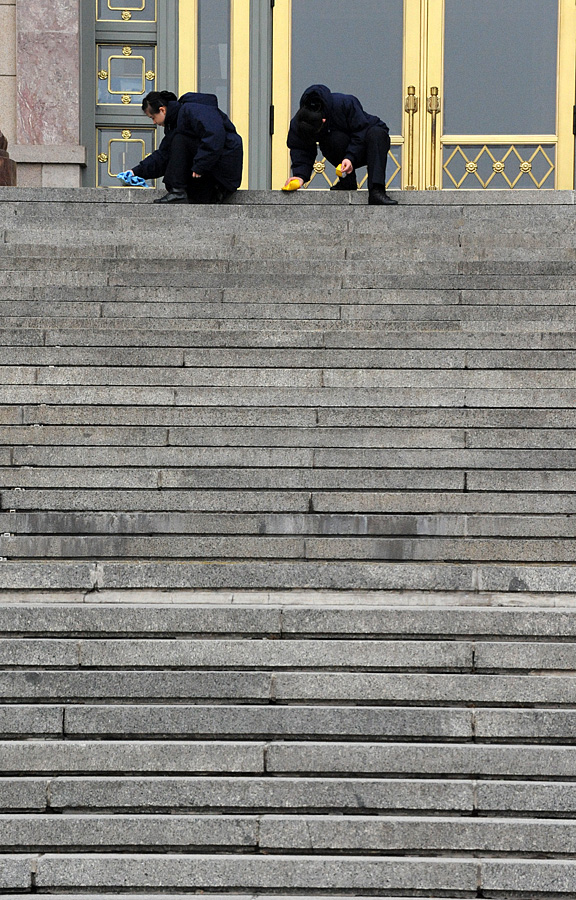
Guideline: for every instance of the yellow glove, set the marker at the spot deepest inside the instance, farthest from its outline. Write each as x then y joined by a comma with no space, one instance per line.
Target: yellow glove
293,185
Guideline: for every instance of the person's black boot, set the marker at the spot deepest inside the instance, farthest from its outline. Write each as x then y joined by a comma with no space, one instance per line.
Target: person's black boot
173,197
348,183
377,196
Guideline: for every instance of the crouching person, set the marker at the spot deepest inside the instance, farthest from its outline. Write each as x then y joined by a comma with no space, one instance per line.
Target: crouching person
348,137
201,153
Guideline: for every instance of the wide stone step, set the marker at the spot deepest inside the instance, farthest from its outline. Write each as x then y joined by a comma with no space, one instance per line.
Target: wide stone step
277,873
232,547
350,335
286,523
284,834
356,796
308,615
270,575
294,759
313,358
348,723
258,687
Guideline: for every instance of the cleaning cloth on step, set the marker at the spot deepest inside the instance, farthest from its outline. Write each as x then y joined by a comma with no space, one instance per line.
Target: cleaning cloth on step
131,180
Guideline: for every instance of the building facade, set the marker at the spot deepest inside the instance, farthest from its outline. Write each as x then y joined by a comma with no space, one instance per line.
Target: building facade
478,94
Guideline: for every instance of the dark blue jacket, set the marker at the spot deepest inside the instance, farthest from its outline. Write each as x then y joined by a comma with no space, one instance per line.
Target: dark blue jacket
343,112
219,145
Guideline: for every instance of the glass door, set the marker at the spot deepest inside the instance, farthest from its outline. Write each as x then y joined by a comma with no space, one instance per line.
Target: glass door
354,48
472,99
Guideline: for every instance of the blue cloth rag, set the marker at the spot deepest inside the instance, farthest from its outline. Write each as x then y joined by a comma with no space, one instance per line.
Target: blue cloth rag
131,180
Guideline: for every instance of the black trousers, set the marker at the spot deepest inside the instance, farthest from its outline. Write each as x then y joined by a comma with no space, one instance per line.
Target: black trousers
334,144
178,175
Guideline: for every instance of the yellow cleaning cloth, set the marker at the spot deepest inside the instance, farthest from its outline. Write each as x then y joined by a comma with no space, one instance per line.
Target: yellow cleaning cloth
339,170
292,185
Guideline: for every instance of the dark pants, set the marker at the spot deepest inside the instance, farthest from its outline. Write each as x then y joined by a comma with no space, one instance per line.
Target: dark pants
374,153
178,175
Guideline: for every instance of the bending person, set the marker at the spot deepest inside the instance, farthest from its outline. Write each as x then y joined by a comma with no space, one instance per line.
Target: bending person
201,153
347,136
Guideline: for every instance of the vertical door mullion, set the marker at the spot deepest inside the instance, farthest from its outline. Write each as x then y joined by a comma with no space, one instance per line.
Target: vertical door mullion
187,46
566,88
281,88
412,75
240,74
434,63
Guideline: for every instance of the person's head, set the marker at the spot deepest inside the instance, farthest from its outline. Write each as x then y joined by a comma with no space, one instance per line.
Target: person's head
309,123
155,105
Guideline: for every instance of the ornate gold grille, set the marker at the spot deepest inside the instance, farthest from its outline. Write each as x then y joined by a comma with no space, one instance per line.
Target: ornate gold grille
324,175
497,166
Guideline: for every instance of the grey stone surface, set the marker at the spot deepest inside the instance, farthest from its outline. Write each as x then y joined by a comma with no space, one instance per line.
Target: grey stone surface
240,793
245,722
536,797
31,721
528,878
38,685
23,794
137,619
275,654
89,832
406,834
122,757
16,872
537,657
425,689
542,725
23,652
455,622
107,871
341,758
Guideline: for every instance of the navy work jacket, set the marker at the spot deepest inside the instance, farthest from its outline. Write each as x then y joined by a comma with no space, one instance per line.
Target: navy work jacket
343,112
219,144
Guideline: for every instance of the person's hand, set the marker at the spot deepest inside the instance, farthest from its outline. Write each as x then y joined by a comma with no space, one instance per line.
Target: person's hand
301,180
347,167
196,175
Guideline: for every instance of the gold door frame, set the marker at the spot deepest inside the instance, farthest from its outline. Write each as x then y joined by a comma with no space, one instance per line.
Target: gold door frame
423,84
239,63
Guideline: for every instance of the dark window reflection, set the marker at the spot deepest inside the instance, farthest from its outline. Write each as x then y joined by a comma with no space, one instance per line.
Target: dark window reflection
214,50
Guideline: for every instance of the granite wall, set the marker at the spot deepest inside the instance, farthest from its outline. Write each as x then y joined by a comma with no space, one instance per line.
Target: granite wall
47,148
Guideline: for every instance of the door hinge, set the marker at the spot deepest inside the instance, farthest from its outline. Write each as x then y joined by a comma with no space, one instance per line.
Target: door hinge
574,120
272,4
272,120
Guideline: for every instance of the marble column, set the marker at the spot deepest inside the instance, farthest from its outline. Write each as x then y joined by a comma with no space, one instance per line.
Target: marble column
48,98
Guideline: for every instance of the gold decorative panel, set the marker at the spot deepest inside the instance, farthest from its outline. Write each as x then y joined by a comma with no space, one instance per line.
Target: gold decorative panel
324,174
124,73
120,149
493,166
129,12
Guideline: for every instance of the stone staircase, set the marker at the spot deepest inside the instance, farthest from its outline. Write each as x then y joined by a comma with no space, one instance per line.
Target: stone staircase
287,588
287,750
318,394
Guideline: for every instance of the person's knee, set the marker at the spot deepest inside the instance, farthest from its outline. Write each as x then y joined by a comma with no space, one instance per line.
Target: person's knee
378,136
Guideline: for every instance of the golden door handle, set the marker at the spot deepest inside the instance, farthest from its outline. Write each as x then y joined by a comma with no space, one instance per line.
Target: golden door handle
433,107
411,107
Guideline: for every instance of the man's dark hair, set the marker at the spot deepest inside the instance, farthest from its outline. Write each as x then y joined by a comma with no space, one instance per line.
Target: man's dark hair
155,99
308,123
